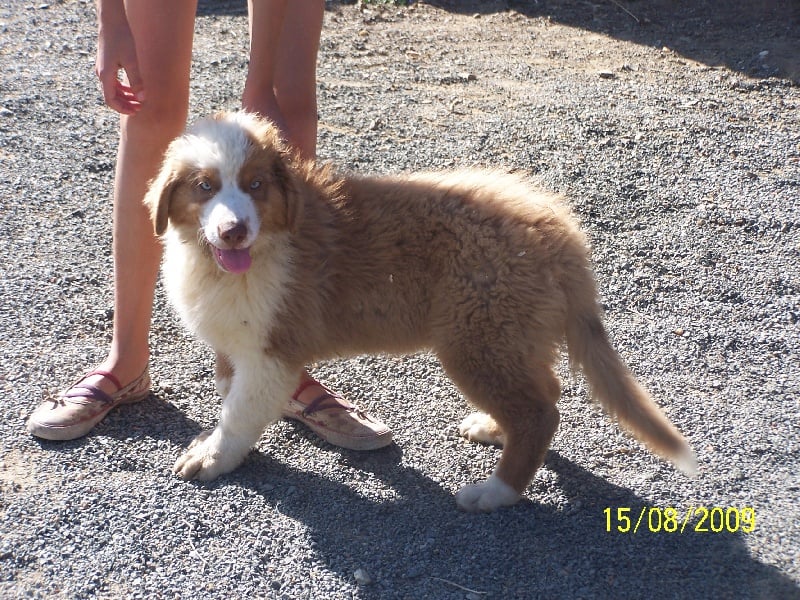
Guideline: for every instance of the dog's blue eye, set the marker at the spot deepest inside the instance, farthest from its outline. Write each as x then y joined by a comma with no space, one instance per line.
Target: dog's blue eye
255,184
205,186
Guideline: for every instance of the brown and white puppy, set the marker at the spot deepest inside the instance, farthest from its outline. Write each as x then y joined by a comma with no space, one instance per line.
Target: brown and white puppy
277,263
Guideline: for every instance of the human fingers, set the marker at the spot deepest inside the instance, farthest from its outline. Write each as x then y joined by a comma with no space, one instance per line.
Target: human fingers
125,100
120,97
117,94
135,83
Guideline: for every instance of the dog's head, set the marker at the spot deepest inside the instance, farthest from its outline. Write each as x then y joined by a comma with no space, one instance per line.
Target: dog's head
225,181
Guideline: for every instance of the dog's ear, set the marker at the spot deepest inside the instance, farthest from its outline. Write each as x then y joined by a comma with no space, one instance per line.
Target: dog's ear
284,175
158,198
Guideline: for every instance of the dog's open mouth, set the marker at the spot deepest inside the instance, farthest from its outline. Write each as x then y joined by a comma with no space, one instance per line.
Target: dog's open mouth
232,261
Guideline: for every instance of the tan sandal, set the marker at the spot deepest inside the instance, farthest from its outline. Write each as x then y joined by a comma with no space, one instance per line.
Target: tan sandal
76,411
338,421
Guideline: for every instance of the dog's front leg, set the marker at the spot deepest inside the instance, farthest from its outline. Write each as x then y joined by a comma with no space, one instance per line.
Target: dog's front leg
223,374
256,397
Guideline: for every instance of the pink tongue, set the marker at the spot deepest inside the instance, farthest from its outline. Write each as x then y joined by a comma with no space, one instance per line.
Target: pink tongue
234,261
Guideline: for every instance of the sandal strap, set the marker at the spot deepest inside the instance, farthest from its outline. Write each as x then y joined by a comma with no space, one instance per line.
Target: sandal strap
318,403
338,402
107,374
305,385
87,390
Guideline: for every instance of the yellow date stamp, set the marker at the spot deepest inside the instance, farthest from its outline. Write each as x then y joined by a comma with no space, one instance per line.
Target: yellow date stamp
695,519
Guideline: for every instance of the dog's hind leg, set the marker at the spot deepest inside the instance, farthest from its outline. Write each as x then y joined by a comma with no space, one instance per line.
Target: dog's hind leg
522,403
482,428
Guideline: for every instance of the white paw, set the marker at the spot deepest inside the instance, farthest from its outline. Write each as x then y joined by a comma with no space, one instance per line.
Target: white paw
480,427
207,457
486,496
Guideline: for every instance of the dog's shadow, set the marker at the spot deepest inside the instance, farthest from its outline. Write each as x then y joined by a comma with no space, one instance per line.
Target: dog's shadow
419,540
422,541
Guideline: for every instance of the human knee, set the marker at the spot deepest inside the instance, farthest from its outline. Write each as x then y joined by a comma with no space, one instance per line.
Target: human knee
157,123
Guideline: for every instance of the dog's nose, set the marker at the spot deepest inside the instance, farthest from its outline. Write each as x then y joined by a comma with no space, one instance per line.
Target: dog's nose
233,234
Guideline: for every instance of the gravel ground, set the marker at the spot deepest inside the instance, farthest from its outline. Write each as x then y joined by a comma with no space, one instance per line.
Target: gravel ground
675,129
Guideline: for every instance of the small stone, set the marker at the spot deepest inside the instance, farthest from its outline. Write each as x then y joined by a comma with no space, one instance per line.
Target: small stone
362,577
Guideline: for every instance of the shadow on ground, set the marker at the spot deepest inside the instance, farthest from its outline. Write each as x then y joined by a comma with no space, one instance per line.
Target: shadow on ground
420,541
553,551
757,38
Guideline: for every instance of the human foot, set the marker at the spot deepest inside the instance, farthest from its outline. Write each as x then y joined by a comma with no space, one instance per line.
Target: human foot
334,419
74,412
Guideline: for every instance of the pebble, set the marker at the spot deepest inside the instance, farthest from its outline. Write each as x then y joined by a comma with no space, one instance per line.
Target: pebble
362,577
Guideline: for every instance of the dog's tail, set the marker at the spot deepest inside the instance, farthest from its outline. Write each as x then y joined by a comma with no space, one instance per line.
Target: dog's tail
613,385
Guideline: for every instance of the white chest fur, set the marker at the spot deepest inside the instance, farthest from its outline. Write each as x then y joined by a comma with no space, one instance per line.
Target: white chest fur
232,313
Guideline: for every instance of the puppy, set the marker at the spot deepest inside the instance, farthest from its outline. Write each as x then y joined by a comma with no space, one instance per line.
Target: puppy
277,263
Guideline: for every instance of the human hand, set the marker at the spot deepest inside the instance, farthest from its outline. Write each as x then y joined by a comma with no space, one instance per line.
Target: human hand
116,65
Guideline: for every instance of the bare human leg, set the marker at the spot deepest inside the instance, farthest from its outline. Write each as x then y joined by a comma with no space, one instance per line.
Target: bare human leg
158,54
163,32
282,86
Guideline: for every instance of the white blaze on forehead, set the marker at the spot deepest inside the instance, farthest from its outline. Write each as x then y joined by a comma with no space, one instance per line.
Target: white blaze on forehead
215,144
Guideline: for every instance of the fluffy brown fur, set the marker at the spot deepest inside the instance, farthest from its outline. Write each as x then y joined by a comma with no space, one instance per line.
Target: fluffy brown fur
488,272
